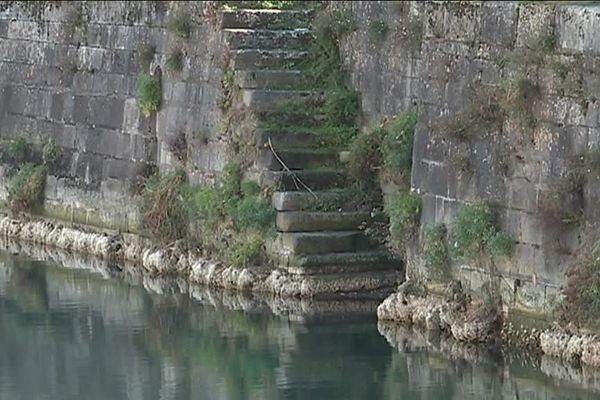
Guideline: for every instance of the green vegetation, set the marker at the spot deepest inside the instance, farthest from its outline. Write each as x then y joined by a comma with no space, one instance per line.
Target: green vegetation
252,212
149,93
377,31
180,24
26,190
145,54
228,219
50,153
385,151
15,151
175,60
404,210
435,252
163,210
561,201
474,234
582,292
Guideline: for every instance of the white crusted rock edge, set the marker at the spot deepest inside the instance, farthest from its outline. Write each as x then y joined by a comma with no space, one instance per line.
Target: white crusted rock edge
470,322
189,265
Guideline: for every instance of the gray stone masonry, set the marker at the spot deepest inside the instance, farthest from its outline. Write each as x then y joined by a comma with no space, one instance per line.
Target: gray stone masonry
434,54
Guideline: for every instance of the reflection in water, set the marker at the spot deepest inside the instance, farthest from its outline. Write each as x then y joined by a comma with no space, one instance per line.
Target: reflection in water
71,334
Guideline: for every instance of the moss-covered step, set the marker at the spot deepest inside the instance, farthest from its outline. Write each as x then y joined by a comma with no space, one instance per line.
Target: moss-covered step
266,19
259,100
296,159
271,79
323,242
315,179
253,59
343,199
268,39
352,262
312,221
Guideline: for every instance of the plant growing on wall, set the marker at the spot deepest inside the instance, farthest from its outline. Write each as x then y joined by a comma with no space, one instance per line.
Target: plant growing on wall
149,94
175,60
377,31
435,251
26,190
404,210
474,234
180,24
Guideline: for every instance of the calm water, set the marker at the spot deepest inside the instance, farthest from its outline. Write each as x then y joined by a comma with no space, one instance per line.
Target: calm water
67,333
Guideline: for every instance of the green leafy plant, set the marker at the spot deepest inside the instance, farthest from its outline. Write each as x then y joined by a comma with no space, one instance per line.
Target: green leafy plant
149,93
175,60
397,147
26,190
250,188
366,157
229,187
253,212
474,234
50,153
180,24
404,210
145,54
16,150
246,250
435,251
377,31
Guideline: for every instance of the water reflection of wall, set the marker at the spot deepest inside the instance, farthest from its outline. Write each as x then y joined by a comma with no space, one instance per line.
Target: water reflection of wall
70,334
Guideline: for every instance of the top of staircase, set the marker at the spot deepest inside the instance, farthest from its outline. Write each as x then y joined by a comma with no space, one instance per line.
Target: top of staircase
266,19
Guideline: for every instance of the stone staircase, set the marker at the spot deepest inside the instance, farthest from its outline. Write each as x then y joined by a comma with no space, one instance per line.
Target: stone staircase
313,241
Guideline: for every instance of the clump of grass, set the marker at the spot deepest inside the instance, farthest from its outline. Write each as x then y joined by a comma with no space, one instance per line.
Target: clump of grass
16,150
50,153
253,212
175,60
26,190
180,24
246,250
141,173
145,54
404,210
164,213
229,187
250,188
561,201
474,234
366,157
397,147
377,31
149,93
435,252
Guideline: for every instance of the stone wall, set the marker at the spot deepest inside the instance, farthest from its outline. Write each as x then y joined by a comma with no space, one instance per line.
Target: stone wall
434,58
68,72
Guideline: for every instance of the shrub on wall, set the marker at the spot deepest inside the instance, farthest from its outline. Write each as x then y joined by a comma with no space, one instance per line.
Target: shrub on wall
16,150
404,210
180,24
435,251
149,93
474,233
26,190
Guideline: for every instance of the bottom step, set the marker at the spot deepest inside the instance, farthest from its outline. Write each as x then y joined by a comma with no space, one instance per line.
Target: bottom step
360,261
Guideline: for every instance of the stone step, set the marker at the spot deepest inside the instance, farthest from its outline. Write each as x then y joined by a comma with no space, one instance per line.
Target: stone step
298,201
260,100
282,119
267,19
322,242
313,221
281,138
298,39
270,79
315,179
252,59
296,159
359,261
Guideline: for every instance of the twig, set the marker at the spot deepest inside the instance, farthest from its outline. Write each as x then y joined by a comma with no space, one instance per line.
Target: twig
286,168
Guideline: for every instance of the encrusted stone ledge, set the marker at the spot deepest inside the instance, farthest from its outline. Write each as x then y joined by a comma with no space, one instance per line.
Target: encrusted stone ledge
174,261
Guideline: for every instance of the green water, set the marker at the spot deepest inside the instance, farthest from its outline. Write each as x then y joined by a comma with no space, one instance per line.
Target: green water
69,333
